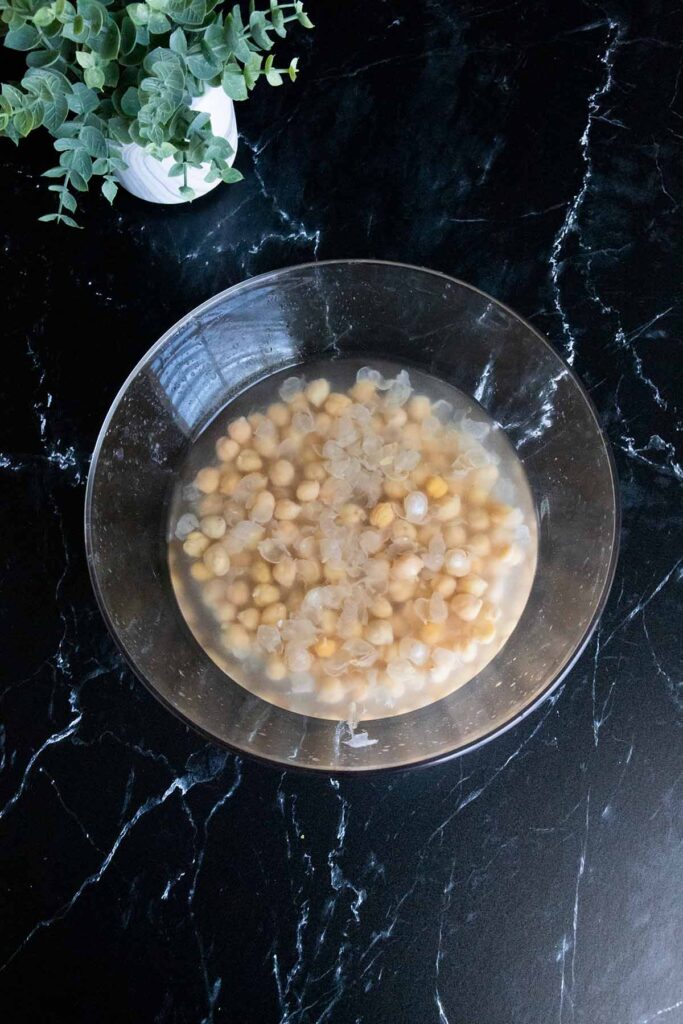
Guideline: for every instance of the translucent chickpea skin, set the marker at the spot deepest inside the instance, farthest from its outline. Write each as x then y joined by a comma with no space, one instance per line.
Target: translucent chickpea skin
350,547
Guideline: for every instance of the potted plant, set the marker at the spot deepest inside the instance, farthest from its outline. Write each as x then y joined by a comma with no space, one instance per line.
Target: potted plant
138,94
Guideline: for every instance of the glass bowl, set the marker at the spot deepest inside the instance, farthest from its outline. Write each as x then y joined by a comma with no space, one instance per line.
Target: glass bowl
351,309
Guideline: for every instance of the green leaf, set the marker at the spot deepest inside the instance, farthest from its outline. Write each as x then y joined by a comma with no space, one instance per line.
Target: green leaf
94,77
176,171
138,13
109,189
43,17
186,12
85,59
23,38
82,100
24,122
107,42
293,69
230,175
69,221
233,82
78,31
47,217
158,23
186,192
54,172
68,202
94,141
301,15
178,42
130,102
94,13
201,68
258,30
278,20
119,130
198,122
251,69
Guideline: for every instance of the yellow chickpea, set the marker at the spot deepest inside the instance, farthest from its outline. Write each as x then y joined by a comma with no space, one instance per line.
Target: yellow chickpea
315,471
395,489
308,490
466,606
225,612
200,572
472,585
195,544
419,408
240,430
266,447
445,585
407,567
323,422
309,570
210,504
334,574
229,482
478,520
379,632
436,487
279,414
265,594
337,404
402,530
217,559
447,509
396,419
479,544
318,391
328,621
330,691
261,572
381,608
238,592
432,632
325,648
213,527
455,535
272,614
351,514
401,590
227,449
207,480
276,668
284,572
363,391
286,509
248,461
382,515
263,508
282,473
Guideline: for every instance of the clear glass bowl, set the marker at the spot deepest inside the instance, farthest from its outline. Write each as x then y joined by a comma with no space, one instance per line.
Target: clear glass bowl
336,310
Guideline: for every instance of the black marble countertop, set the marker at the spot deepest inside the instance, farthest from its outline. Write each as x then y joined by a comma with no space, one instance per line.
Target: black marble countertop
534,149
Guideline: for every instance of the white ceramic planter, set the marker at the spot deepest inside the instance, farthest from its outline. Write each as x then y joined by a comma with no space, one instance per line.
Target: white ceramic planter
147,178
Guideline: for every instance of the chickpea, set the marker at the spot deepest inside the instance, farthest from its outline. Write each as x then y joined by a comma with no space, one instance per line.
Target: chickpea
240,430
337,403
457,562
217,559
250,619
309,570
266,447
445,585
363,391
195,544
227,449
200,572
318,391
333,573
276,668
308,490
455,535
448,509
207,480
479,544
397,418
212,526
395,489
379,632
323,422
478,520
382,515
215,592
432,632
237,638
436,487
325,648
411,435
286,509
419,408
472,585
248,461
315,471
261,572
401,590
225,612
284,572
265,594
477,496
229,482
351,514
263,508
419,476
238,593
484,632
407,567
466,606
402,530
210,505
272,614
282,473
381,608
508,554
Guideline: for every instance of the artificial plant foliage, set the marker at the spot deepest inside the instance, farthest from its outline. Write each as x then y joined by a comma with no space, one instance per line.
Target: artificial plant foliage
101,74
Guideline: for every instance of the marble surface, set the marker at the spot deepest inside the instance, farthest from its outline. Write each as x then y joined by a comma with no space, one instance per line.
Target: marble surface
535,150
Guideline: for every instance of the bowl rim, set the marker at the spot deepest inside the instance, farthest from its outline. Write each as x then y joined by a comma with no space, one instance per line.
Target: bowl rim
348,771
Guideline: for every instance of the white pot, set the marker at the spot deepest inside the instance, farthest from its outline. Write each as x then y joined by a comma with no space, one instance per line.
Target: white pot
147,178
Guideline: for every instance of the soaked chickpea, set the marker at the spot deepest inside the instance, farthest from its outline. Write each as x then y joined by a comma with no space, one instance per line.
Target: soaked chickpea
378,589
